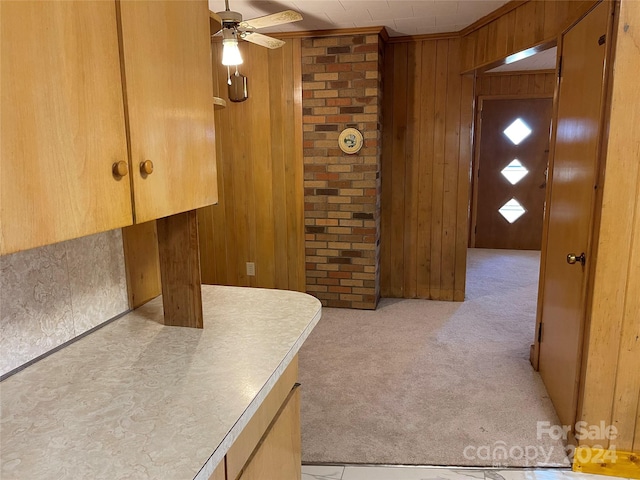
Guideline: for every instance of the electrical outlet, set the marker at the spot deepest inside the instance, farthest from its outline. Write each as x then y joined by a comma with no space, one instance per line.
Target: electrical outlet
251,269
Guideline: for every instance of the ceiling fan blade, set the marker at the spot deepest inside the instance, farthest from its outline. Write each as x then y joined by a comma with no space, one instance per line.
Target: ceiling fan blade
287,16
262,40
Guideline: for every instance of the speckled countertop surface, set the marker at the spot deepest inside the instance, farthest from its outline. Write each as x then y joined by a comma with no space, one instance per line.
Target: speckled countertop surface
136,399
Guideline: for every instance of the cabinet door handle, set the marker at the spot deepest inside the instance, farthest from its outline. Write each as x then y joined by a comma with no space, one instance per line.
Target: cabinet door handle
120,169
146,167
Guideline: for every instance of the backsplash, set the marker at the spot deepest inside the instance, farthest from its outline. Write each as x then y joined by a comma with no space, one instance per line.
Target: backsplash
50,295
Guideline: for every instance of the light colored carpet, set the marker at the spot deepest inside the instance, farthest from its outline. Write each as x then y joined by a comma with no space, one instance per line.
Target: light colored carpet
417,382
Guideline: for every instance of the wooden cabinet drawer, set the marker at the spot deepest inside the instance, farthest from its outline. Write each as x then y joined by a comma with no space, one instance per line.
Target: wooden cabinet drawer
246,442
278,455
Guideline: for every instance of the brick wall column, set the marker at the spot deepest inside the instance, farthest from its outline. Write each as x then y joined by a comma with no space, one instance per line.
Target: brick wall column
342,88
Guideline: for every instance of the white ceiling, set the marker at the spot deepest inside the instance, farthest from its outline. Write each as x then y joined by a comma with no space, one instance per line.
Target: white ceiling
401,17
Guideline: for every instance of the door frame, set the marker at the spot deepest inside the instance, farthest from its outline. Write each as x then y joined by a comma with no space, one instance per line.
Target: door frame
596,205
476,154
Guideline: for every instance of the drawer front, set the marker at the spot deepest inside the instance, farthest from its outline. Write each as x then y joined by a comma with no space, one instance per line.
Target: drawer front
279,454
248,439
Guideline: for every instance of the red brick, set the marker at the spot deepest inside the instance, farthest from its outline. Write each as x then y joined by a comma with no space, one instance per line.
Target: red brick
371,47
333,102
338,67
338,118
327,176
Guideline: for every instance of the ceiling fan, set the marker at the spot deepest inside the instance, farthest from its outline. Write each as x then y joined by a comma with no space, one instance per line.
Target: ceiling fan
234,28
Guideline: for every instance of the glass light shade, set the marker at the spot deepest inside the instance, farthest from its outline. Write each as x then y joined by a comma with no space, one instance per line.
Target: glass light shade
230,52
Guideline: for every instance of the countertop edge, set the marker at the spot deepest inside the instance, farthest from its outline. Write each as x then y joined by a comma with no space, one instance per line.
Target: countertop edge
218,455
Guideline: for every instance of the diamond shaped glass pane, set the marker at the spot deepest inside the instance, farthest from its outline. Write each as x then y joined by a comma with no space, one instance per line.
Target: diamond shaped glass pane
512,210
514,172
517,131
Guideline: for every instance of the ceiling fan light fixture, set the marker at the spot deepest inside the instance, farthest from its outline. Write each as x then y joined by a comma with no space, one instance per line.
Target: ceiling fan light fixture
230,52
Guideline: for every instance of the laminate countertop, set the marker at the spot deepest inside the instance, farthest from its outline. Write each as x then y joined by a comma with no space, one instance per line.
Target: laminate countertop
137,399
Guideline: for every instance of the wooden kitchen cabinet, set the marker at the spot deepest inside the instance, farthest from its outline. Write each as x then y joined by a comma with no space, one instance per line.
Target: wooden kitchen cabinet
279,455
167,65
62,123
269,446
93,84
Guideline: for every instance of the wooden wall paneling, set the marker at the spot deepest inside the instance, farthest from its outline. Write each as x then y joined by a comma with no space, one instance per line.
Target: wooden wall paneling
279,135
388,136
525,25
213,248
636,441
482,45
398,160
262,124
611,390
425,169
412,158
451,159
259,217
464,184
510,20
437,192
502,36
426,161
510,84
241,128
529,24
551,15
217,251
627,386
469,45
295,181
142,263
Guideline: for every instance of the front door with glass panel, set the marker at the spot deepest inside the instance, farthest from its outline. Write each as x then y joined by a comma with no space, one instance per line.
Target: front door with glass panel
511,181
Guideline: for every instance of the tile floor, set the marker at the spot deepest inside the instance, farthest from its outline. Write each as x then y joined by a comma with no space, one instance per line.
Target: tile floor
357,472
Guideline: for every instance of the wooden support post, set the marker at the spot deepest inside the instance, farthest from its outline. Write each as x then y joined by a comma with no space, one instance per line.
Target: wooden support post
180,270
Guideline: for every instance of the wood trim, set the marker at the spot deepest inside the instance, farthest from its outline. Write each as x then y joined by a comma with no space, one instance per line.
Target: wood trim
180,270
595,222
427,37
142,263
503,10
606,462
611,379
473,215
335,32
535,350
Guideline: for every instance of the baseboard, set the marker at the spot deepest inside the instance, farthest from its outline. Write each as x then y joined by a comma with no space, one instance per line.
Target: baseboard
606,462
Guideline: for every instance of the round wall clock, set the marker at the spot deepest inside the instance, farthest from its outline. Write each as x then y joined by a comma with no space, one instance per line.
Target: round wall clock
350,140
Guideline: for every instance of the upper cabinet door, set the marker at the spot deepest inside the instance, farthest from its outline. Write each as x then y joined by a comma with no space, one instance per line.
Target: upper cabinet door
62,123
167,64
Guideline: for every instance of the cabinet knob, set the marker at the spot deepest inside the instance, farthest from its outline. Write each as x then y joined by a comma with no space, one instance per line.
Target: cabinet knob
146,167
120,169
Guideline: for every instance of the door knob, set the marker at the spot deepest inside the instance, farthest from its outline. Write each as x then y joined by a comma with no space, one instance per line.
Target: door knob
146,167
572,258
120,169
